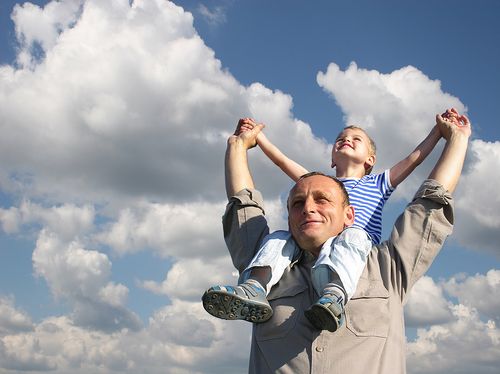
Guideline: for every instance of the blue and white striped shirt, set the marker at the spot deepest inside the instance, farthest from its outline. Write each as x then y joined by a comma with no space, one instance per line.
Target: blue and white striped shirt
368,196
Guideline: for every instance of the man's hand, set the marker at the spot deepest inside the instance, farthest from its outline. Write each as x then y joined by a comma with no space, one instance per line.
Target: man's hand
451,122
246,133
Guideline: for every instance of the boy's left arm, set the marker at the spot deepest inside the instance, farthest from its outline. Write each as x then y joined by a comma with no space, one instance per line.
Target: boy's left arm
405,167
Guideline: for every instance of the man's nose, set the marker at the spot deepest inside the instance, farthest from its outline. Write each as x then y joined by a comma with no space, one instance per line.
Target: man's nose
309,206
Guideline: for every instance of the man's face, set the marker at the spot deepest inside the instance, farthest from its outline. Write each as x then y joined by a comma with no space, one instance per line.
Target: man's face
317,212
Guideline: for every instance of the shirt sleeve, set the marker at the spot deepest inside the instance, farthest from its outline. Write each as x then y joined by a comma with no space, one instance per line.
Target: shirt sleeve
244,226
419,234
386,188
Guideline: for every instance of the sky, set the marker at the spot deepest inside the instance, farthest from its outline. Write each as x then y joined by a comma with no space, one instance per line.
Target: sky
114,117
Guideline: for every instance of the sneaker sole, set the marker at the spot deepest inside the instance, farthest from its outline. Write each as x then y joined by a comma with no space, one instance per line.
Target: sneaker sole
322,318
223,305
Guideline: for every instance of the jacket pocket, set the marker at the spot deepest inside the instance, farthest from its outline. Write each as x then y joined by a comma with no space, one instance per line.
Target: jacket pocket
367,313
286,304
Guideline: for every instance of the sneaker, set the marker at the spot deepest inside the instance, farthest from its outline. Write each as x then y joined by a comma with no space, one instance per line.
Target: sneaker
327,313
246,301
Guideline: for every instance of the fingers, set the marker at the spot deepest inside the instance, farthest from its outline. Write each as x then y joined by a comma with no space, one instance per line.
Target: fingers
452,116
465,120
244,124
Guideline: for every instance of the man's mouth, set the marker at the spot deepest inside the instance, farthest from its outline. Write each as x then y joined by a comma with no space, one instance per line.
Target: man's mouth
310,223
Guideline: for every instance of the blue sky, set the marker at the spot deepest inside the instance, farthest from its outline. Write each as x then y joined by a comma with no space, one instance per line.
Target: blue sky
113,120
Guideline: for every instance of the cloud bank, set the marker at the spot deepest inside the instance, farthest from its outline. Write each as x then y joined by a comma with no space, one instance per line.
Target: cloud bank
114,121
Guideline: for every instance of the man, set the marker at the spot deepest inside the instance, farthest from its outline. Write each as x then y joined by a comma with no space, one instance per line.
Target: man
372,340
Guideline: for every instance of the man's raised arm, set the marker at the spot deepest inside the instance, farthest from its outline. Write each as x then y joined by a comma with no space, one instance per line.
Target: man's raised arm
238,175
449,166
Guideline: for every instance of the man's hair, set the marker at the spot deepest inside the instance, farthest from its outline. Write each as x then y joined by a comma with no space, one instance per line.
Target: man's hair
373,146
345,195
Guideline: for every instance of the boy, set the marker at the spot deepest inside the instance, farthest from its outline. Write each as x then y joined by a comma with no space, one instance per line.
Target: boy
343,258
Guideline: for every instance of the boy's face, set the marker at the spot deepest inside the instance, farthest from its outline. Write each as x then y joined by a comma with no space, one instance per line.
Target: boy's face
353,145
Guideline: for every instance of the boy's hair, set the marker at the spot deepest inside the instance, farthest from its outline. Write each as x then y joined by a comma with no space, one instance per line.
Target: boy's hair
343,191
373,147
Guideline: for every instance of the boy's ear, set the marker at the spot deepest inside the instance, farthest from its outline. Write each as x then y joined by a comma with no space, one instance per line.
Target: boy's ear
370,161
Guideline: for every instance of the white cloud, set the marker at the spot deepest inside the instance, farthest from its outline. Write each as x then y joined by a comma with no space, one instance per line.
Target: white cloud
189,278
427,304
91,134
128,112
466,345
398,110
35,25
68,220
175,230
403,103
481,292
181,337
12,319
81,277
214,16
467,338
478,221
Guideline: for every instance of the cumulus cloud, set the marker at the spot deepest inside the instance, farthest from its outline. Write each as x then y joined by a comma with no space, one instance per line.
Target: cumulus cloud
81,276
159,133
402,103
481,292
464,336
465,345
479,228
114,123
427,304
12,319
181,337
41,27
173,230
69,220
181,284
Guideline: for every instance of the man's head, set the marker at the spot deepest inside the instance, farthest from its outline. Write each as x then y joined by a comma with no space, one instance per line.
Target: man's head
318,208
354,143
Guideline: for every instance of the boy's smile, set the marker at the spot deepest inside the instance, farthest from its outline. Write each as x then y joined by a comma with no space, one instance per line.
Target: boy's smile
352,147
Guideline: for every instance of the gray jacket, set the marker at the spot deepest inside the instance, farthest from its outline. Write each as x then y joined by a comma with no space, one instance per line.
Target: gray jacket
373,338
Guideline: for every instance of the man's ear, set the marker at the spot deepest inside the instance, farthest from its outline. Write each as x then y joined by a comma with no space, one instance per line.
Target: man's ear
349,215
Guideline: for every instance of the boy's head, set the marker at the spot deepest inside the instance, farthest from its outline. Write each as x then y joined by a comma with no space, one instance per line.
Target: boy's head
354,142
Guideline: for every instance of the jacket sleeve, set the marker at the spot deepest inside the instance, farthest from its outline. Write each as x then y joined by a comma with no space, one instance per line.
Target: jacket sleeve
419,234
244,226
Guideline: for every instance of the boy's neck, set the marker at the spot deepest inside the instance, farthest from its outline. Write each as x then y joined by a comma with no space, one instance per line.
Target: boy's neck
350,171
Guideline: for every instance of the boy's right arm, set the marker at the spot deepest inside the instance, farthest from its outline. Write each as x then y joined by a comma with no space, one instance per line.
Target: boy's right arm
289,167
